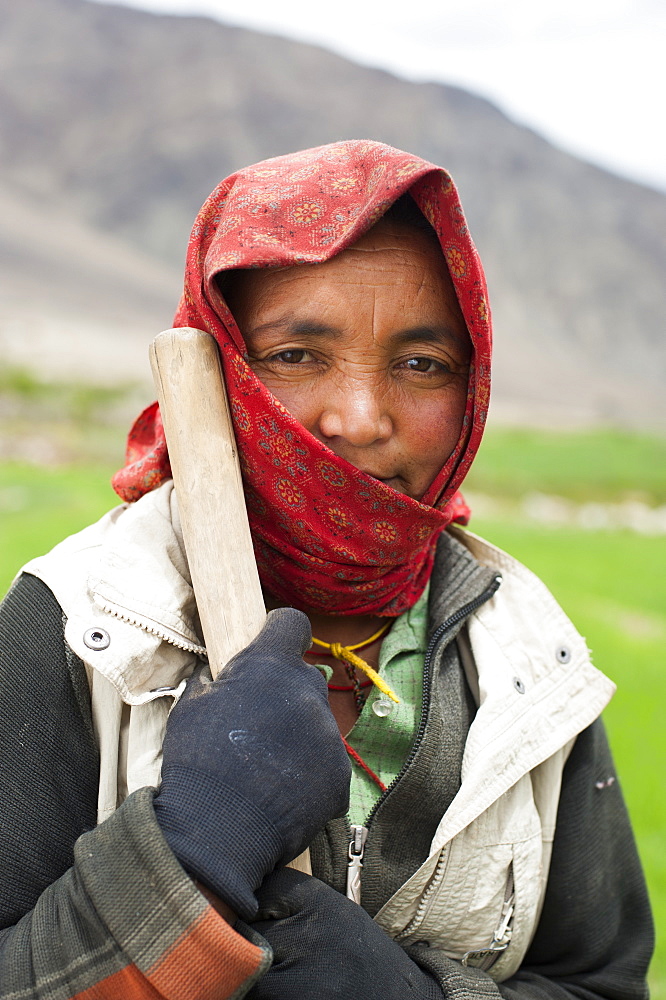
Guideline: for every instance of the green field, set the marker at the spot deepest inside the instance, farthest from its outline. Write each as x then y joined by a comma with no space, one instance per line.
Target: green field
601,465
611,583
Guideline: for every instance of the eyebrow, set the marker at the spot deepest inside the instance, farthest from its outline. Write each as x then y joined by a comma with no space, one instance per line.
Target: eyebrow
296,327
430,334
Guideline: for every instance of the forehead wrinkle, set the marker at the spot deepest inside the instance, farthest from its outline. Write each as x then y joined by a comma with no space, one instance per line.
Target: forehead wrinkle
399,248
373,315
374,272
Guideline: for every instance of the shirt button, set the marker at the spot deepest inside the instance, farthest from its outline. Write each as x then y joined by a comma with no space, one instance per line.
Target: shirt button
382,707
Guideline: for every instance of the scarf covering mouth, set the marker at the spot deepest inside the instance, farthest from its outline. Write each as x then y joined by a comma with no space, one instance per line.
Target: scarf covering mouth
327,537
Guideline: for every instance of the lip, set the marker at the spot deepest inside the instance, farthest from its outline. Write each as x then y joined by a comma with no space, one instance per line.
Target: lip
395,482
380,479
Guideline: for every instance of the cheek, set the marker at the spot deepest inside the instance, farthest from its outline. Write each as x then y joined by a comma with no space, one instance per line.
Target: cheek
429,429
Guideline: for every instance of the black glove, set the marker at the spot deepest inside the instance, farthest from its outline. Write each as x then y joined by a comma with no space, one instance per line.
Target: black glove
253,764
325,947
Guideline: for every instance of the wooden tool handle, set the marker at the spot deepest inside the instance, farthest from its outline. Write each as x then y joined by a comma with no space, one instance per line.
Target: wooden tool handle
207,479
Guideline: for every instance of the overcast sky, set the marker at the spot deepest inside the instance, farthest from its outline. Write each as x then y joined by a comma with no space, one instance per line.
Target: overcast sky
588,74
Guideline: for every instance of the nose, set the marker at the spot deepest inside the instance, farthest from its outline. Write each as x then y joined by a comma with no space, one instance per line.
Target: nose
357,414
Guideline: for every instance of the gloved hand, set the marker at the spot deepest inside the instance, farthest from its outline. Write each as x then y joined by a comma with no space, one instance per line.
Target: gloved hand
325,947
253,764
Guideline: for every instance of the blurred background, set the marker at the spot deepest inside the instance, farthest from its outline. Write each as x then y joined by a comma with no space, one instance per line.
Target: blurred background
117,121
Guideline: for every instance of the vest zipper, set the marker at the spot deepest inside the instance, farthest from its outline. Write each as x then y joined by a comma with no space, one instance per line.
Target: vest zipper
484,958
150,626
436,639
359,835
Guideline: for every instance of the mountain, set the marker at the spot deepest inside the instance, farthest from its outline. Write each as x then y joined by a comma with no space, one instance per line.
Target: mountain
74,301
116,124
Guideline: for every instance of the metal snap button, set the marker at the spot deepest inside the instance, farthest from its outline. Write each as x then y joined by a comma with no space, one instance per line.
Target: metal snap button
563,654
96,638
519,686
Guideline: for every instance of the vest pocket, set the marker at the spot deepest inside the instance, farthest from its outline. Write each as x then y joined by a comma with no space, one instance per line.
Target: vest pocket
463,905
485,958
479,899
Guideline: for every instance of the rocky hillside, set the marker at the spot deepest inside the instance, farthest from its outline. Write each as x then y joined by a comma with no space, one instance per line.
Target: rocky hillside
116,123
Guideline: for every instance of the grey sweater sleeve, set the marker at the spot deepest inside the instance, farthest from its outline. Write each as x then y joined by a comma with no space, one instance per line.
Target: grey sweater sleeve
85,909
48,755
595,936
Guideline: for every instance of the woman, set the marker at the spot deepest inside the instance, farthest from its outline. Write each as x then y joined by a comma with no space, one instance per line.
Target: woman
482,833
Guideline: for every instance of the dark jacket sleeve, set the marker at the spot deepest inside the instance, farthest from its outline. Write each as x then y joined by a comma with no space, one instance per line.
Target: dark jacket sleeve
86,910
595,936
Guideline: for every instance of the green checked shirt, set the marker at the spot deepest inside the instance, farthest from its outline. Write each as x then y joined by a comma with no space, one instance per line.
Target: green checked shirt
384,743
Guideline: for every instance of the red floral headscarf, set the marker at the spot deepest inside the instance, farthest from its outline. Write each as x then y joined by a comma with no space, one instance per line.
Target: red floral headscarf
327,537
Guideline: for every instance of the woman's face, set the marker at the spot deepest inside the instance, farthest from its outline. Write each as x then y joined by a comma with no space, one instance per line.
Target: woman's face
369,351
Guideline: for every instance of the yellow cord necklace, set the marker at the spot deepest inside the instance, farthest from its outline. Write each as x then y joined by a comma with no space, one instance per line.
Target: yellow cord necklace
347,656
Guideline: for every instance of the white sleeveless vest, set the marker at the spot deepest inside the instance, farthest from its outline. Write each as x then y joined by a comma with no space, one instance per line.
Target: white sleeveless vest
479,895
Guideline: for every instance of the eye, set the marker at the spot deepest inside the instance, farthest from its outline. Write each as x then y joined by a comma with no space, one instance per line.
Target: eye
292,357
424,365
